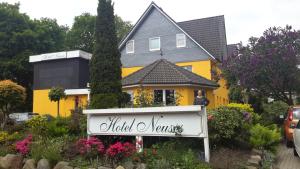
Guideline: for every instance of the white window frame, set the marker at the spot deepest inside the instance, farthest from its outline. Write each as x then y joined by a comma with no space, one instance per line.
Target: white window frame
132,46
155,48
177,38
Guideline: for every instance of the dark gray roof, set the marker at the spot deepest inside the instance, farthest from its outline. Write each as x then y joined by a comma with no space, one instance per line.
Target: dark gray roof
165,72
209,33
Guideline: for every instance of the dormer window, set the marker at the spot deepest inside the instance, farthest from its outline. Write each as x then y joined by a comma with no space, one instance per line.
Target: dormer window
180,40
130,46
154,44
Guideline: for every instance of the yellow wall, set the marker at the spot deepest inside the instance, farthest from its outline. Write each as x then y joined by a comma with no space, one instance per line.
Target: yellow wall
216,97
42,104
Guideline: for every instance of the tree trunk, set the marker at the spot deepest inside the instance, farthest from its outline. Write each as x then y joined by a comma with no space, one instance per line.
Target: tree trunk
58,108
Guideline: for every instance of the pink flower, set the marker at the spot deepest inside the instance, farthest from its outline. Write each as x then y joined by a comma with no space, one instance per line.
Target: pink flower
23,146
86,146
120,150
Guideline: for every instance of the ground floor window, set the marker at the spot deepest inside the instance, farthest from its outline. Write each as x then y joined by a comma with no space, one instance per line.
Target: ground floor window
164,97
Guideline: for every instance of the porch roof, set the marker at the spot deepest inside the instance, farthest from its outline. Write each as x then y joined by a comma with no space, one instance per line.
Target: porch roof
163,72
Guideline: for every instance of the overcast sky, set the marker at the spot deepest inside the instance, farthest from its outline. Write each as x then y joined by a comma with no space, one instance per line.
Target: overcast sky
243,18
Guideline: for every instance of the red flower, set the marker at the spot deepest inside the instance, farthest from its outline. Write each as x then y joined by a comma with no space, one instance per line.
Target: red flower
23,146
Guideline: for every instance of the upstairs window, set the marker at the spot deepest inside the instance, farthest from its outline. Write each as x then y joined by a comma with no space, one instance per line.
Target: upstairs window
164,97
189,68
180,40
130,46
154,44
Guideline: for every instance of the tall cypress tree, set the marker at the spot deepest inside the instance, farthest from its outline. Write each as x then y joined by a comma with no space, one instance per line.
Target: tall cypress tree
105,66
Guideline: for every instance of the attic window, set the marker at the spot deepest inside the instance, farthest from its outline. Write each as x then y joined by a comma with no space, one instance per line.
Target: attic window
180,40
154,44
130,46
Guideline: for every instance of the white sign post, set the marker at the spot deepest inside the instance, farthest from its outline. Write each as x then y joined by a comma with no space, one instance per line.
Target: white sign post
150,121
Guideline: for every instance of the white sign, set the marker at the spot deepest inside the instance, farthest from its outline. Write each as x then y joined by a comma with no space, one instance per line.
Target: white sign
151,121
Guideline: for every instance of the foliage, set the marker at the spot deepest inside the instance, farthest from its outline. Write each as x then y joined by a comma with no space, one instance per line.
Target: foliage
225,124
104,101
6,137
90,148
77,124
105,65
125,99
23,147
265,138
268,64
246,110
143,98
38,125
236,94
171,154
82,34
22,37
49,149
56,94
12,95
273,110
57,127
118,151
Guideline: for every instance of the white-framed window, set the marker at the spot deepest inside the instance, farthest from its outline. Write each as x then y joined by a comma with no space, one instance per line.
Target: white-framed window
154,43
189,68
130,46
180,40
164,97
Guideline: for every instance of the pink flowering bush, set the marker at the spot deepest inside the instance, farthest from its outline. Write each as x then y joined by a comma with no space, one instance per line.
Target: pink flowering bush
23,146
90,147
119,151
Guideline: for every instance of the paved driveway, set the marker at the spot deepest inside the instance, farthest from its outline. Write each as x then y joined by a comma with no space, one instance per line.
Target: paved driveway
286,158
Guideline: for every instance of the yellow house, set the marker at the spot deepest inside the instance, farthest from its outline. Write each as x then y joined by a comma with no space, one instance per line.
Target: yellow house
184,57
196,45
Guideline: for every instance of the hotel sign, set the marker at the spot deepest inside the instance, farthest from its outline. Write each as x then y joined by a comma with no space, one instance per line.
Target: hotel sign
154,121
170,121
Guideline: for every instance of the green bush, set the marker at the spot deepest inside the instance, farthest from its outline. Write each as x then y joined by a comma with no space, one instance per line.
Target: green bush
225,125
272,111
265,138
102,101
38,125
56,129
49,149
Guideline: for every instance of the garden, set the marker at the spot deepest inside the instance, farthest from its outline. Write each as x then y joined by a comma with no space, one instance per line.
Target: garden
45,141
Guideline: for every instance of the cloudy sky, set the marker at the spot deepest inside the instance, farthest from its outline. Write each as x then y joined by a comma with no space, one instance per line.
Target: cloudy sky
243,18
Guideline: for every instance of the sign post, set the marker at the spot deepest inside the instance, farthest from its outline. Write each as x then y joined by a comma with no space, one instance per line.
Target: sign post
169,121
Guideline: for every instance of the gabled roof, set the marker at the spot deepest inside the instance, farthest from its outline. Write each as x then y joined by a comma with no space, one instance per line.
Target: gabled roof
145,14
163,72
209,33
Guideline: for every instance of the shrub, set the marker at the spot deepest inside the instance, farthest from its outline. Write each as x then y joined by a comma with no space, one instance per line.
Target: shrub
225,124
104,101
12,96
90,148
23,147
77,125
38,125
247,111
272,111
5,137
49,149
120,150
265,138
57,127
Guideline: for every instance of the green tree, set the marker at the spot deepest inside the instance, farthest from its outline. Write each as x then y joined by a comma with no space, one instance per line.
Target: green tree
12,95
82,34
56,94
105,67
21,37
